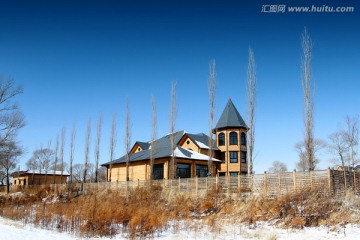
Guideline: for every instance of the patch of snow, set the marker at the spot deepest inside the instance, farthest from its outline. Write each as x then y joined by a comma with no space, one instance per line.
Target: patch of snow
202,145
195,230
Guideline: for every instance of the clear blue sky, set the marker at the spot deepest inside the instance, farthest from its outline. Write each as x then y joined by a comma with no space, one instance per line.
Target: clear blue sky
77,58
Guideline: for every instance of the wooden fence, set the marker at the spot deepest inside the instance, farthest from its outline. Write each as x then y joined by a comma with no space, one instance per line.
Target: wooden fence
329,181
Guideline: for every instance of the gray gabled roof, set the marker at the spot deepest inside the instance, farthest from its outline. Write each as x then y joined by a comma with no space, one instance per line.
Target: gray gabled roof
143,145
230,117
163,150
202,140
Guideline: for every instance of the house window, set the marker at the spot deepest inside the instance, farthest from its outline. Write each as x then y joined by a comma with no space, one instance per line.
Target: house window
233,157
158,171
202,170
14,182
183,170
243,157
234,173
243,139
221,156
221,139
233,138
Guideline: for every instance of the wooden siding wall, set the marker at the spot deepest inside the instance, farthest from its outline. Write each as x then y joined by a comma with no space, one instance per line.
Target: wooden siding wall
228,167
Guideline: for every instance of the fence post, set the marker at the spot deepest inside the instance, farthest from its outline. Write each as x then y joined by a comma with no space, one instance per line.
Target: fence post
179,185
206,184
311,178
228,184
239,184
294,179
196,185
251,183
265,183
216,182
354,182
345,185
329,179
279,182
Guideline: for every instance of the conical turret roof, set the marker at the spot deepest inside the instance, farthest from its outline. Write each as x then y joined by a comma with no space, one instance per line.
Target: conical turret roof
230,117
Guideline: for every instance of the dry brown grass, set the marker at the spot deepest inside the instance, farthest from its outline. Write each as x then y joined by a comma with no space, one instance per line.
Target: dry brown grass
143,212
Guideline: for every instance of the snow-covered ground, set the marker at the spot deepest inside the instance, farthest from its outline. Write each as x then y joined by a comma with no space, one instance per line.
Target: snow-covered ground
16,230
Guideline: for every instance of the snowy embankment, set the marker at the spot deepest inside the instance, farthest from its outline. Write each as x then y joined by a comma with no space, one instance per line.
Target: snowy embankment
16,230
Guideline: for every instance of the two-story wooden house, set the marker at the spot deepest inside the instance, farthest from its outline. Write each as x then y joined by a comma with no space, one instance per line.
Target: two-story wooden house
191,153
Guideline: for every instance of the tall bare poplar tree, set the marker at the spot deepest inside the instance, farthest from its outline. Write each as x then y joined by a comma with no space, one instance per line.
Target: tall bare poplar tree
97,146
153,136
56,157
212,89
308,89
62,146
72,147
251,106
112,143
351,136
127,139
87,148
172,120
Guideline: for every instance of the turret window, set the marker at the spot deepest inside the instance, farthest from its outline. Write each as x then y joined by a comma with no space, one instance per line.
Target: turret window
221,139
233,157
243,139
233,138
243,157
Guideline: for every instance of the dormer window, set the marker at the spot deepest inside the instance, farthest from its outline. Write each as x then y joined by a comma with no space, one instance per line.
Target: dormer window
221,139
233,138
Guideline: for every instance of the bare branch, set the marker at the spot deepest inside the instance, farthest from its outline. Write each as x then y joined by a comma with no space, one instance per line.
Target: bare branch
112,143
97,146
212,90
153,136
172,120
87,149
251,95
309,91
72,147
127,139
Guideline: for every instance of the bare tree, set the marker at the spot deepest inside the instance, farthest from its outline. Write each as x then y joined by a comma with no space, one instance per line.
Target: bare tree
277,167
62,146
251,106
309,93
9,153
97,146
338,146
87,149
153,136
351,135
112,143
79,171
42,160
127,139
212,90
303,163
172,120
56,158
72,147
11,119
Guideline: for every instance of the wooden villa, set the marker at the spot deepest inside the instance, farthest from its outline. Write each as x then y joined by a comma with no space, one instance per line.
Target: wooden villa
191,153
